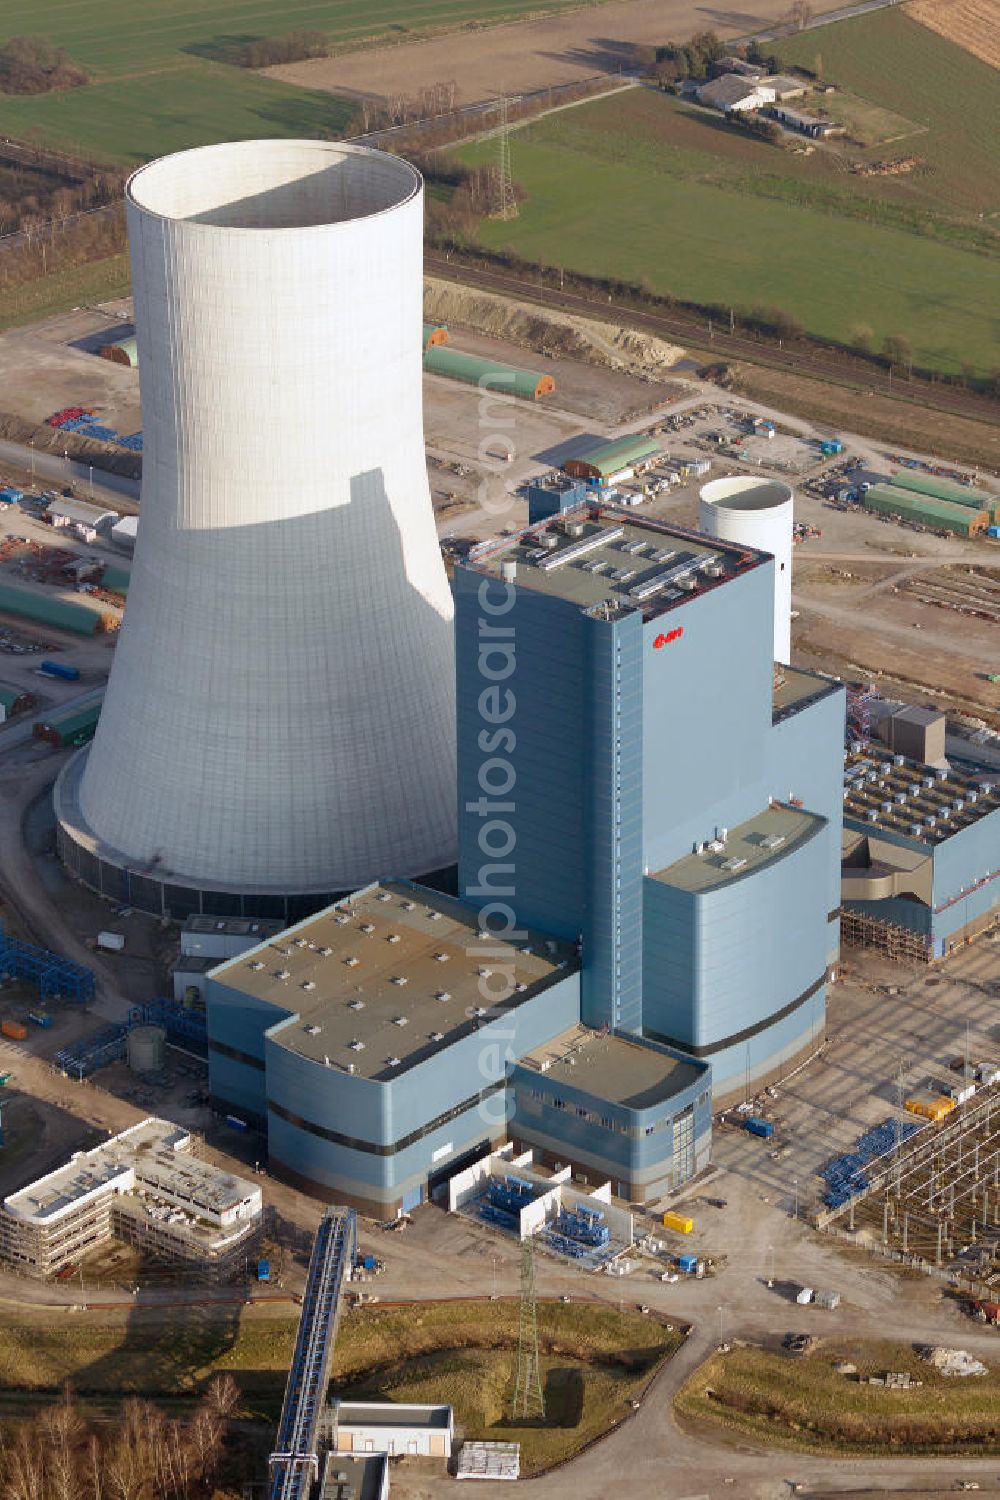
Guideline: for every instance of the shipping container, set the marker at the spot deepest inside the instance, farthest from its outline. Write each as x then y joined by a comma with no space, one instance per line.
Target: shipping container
930,1105
14,1029
759,1127
110,942
59,669
687,1263
263,1270
680,1222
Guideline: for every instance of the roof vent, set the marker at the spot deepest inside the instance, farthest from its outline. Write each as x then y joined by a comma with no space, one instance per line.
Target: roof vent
873,815
314,1030
520,987
324,952
916,830
437,1036
400,1020
341,918
441,958
485,973
281,973
367,927
434,916
392,1062
399,979
393,937
308,984
357,1045
351,961
547,539
383,896
301,942
255,964
356,1004
409,906
442,995
733,864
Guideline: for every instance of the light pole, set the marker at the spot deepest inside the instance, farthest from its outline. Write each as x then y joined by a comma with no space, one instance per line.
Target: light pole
31,445
795,1185
719,1311
91,468
770,1265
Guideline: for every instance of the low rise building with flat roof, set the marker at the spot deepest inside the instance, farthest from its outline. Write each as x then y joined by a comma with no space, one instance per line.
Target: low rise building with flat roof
143,1186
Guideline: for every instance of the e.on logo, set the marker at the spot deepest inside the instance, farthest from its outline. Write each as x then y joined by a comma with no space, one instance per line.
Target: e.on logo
665,640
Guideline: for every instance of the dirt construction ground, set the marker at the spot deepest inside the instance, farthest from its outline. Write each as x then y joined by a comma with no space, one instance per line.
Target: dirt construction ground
522,56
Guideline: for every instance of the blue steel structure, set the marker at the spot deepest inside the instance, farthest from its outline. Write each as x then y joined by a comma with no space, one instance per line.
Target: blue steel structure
89,1053
294,1464
55,978
185,1027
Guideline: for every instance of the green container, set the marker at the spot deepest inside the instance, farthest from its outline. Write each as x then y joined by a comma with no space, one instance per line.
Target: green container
924,509
63,614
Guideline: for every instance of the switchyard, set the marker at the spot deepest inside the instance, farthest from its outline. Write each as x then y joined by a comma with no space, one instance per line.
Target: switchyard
935,1200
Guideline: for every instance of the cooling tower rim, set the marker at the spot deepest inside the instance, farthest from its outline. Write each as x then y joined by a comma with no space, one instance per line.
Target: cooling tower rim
745,492
155,177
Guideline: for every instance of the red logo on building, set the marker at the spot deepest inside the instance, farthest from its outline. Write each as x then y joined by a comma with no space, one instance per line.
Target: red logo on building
665,640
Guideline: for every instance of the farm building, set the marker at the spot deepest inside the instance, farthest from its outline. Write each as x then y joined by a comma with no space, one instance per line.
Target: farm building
505,380
121,352
943,515
613,461
817,127
735,95
785,87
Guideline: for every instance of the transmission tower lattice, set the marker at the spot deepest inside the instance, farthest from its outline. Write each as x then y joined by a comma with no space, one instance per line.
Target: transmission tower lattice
528,1399
506,202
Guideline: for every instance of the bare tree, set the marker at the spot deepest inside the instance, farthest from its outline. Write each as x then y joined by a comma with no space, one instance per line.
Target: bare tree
800,13
899,352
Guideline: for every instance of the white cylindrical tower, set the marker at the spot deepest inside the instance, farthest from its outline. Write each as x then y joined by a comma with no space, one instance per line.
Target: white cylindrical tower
757,513
280,713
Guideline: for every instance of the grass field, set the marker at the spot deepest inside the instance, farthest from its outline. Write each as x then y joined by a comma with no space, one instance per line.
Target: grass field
99,281
160,77
803,1403
648,186
595,1360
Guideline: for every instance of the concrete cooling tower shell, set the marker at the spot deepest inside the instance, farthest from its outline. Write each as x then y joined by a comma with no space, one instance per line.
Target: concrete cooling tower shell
280,716
757,513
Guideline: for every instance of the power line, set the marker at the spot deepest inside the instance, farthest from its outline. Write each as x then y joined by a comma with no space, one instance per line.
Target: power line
528,1399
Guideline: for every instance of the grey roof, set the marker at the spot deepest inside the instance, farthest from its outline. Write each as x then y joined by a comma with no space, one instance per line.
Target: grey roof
613,1068
726,91
767,836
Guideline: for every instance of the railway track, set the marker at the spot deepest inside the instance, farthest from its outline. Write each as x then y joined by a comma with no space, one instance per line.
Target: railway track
721,344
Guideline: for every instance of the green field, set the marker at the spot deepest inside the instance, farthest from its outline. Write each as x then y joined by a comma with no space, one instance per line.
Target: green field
160,79
646,186
97,281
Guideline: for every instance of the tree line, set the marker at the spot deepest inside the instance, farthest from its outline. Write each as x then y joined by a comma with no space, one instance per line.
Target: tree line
59,1455
294,46
34,65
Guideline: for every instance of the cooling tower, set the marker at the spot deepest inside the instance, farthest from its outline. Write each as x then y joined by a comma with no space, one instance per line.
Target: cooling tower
757,513
279,718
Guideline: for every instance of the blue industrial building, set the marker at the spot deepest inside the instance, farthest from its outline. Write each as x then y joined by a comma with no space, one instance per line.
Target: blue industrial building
650,818
672,800
921,853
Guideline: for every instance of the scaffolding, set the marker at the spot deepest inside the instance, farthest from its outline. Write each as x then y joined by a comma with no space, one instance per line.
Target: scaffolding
901,944
294,1464
529,1402
54,977
859,711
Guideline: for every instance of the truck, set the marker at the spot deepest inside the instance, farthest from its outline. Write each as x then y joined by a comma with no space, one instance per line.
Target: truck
59,669
110,942
756,1126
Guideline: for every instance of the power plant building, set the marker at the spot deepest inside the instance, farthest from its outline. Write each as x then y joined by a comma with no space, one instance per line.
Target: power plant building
279,721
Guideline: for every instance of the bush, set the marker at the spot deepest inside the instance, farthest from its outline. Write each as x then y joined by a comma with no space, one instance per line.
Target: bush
297,46
32,65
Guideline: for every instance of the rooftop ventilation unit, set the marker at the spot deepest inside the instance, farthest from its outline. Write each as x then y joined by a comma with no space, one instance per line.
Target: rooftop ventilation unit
301,942
281,974
341,918
400,1020
255,964
958,805
548,540
485,973
930,822
887,806
393,937
773,841
437,1036
351,961
873,815
916,830
899,760
986,788
308,984
971,796
900,799
409,906
442,995
356,1004
940,774
399,979
622,575
393,1062
735,863
324,952
687,583
713,570
441,958
573,528
662,554
520,987
433,916
357,1045
313,1030
383,896
368,928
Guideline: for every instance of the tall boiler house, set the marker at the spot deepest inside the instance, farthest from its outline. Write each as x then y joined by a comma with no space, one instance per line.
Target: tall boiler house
279,722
